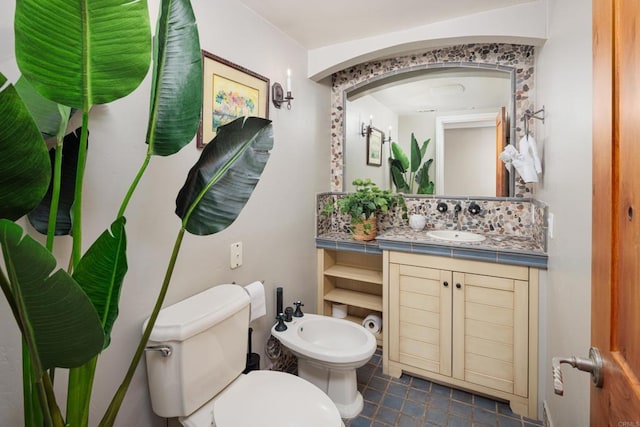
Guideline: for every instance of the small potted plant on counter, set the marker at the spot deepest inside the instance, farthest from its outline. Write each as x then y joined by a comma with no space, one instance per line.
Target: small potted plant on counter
364,204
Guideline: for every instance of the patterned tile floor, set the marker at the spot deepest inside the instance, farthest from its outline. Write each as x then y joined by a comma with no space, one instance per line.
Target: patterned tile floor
414,402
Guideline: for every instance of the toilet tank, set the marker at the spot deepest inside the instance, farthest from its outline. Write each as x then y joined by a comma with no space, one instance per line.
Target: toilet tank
207,334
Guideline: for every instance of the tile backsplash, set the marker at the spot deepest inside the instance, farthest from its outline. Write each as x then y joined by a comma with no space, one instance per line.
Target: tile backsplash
519,217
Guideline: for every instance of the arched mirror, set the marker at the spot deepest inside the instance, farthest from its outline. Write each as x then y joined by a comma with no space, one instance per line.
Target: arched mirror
465,112
509,66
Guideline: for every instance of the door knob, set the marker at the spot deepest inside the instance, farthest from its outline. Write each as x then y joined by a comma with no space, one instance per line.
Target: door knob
593,365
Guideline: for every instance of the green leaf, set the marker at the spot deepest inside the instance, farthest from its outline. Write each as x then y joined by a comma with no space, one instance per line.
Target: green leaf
101,272
398,177
176,94
58,322
423,149
416,155
425,186
46,113
431,188
39,217
400,156
221,182
422,176
24,169
80,53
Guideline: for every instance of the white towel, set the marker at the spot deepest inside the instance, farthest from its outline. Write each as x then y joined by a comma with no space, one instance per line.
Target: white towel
522,161
258,300
533,148
508,155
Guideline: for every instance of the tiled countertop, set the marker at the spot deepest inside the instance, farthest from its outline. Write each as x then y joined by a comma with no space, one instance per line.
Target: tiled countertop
498,248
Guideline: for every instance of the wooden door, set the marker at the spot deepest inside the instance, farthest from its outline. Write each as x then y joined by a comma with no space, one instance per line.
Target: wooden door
615,288
502,176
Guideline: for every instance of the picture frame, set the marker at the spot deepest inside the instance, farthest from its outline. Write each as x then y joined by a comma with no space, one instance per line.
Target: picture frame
375,139
229,91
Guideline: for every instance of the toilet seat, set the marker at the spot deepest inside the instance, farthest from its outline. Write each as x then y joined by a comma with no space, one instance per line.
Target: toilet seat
267,399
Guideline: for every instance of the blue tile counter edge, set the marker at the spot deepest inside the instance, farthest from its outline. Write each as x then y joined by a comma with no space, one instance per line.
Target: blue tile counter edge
348,244
495,249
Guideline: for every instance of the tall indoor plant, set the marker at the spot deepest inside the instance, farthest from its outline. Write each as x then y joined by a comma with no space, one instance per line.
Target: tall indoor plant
98,53
410,175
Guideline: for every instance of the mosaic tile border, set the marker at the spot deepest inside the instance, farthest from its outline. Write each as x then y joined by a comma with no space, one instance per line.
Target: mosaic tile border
516,228
506,57
498,215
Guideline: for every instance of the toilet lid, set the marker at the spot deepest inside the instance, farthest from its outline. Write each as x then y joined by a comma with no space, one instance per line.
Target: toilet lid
271,399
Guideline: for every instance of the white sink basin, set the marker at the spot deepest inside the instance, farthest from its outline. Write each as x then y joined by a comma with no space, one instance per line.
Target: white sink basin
456,236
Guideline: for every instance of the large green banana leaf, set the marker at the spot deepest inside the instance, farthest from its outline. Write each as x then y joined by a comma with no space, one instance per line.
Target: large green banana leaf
176,93
24,169
39,217
80,53
416,155
397,175
221,182
48,115
57,320
425,185
400,156
101,272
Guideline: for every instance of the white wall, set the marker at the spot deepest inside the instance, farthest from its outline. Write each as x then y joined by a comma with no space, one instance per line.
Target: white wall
563,79
423,126
470,153
519,24
276,227
359,111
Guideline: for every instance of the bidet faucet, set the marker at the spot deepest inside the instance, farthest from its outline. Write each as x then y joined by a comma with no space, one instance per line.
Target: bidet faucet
298,312
280,326
456,215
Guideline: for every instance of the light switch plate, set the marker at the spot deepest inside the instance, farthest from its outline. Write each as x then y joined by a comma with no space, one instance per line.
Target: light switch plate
235,255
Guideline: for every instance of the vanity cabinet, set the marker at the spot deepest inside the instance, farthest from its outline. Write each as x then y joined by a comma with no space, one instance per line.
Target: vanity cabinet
351,278
469,324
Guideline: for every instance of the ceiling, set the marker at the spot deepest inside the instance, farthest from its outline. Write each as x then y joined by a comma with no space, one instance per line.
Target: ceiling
443,91
315,24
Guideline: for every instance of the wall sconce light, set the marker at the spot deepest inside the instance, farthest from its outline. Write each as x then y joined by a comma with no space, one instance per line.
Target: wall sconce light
388,138
277,93
366,129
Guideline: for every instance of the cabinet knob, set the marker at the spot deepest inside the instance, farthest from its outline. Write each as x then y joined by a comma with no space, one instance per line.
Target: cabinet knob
458,285
445,284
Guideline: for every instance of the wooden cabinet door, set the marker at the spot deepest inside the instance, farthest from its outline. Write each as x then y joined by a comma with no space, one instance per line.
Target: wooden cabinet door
615,288
420,317
490,332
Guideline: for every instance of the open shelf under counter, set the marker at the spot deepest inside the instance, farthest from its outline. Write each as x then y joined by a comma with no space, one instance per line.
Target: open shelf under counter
351,278
354,273
358,299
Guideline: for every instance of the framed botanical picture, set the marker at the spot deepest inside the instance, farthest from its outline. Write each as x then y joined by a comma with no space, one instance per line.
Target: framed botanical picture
229,91
375,137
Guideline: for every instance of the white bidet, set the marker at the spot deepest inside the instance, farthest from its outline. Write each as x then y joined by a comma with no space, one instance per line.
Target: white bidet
329,351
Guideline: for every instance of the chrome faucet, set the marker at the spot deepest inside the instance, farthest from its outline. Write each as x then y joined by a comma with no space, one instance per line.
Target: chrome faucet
456,215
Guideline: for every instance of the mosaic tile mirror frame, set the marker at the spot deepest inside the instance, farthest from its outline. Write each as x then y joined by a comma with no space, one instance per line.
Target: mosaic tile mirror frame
515,59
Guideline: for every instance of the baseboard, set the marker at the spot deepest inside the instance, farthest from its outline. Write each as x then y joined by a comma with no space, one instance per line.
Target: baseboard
546,415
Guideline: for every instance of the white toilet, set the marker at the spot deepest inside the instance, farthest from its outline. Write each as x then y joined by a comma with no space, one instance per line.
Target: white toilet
195,358
329,350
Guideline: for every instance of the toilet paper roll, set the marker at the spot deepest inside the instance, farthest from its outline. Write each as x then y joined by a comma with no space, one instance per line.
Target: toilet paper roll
339,310
372,323
257,298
